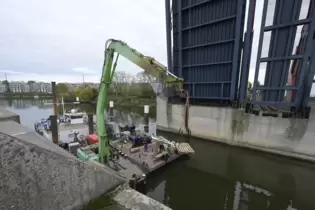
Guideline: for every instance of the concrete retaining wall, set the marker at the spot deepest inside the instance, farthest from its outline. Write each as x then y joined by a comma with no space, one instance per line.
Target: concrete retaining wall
7,115
35,177
289,137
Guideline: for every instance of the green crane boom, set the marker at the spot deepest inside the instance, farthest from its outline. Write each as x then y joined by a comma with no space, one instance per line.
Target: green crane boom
148,64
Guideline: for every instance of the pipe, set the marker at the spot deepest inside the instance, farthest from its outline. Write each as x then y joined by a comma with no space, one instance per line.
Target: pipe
168,35
146,118
90,122
111,110
53,118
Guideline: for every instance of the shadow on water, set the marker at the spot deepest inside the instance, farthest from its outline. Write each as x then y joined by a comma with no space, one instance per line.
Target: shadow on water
218,176
222,177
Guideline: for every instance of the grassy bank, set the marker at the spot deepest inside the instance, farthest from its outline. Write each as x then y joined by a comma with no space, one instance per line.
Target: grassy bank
26,95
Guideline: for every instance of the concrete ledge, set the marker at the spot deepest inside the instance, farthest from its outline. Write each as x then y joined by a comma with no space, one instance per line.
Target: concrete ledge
35,177
8,115
131,199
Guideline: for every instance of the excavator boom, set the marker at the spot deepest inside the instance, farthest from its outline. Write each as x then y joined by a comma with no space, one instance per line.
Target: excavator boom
148,64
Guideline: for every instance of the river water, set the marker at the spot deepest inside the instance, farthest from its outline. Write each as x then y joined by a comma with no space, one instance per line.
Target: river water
217,176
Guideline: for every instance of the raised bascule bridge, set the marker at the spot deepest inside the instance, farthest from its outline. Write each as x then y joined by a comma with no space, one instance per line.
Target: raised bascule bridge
248,67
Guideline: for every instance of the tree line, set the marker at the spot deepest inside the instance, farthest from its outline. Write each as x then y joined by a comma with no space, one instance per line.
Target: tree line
123,85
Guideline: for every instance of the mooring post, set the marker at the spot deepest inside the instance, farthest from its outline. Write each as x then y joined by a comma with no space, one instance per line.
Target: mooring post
111,110
53,118
90,122
146,118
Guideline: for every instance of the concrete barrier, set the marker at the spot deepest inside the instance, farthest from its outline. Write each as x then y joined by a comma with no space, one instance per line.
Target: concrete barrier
7,115
35,177
288,137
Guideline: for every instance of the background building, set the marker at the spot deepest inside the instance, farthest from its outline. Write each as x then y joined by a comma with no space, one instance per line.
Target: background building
38,87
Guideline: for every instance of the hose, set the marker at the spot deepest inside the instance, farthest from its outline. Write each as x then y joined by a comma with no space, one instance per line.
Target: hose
186,118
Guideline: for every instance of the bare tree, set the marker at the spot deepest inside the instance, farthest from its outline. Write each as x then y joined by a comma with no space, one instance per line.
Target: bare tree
121,82
142,77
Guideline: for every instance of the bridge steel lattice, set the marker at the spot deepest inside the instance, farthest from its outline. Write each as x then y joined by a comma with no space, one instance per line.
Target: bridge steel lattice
289,67
212,53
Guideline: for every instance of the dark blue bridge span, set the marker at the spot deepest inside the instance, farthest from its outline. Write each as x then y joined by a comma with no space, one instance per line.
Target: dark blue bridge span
210,47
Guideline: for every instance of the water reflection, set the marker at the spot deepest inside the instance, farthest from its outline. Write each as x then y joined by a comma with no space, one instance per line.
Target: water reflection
46,104
26,103
33,110
221,177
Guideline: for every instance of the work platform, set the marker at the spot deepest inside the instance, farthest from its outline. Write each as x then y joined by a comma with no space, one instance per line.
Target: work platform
137,162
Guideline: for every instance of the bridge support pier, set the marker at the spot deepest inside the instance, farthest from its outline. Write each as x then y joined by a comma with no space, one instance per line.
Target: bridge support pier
292,137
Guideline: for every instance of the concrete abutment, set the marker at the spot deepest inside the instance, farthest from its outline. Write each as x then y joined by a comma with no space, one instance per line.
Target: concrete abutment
291,137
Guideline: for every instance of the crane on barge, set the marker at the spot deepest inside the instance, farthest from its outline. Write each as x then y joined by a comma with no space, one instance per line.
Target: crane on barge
148,64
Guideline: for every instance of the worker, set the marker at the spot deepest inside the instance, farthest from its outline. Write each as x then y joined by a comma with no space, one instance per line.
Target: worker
146,146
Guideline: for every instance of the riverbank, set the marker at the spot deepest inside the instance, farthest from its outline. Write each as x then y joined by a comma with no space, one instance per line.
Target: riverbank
124,102
18,95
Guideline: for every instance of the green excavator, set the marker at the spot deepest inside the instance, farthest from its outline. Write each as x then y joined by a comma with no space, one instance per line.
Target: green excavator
148,64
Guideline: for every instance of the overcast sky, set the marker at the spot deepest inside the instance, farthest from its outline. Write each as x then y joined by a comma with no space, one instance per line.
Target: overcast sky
61,39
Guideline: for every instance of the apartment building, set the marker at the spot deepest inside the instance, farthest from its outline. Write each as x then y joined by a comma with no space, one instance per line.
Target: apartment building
36,87
19,87
2,88
40,87
23,87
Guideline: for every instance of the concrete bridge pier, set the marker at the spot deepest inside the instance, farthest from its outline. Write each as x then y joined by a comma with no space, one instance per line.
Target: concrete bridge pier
289,137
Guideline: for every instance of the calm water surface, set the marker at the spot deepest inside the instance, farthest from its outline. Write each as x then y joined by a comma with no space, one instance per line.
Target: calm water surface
217,176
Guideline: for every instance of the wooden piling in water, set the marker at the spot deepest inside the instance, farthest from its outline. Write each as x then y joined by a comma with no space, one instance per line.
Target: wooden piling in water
53,118
90,123
111,110
146,118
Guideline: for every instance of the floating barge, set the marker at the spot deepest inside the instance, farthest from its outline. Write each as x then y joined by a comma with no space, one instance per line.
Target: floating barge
136,155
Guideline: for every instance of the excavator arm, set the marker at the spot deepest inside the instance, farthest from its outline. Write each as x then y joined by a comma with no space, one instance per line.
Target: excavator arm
148,64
